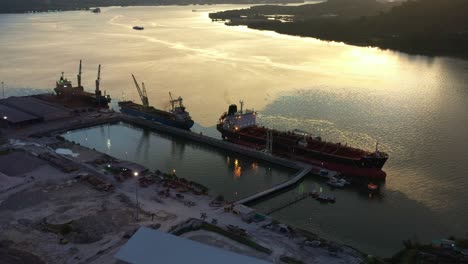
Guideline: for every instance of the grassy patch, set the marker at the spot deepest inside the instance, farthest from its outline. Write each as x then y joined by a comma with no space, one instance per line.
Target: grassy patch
235,237
5,151
216,229
62,229
462,243
290,260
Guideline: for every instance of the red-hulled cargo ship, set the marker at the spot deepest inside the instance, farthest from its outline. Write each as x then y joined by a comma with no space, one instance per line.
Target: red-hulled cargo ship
240,127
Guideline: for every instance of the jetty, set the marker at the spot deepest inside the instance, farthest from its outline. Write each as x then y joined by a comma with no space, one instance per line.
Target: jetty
282,206
277,188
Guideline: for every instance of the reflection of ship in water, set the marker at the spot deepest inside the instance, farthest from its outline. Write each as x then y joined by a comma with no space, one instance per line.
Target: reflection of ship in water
238,167
178,149
144,142
234,166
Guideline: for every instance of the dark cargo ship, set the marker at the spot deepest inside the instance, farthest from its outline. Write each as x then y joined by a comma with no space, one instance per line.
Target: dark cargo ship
240,127
65,90
176,117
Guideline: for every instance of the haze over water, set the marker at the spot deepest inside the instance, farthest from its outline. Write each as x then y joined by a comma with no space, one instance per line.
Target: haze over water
414,106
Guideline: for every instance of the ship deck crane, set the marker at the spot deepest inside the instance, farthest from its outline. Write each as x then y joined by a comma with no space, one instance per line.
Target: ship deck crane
174,101
79,76
141,92
98,81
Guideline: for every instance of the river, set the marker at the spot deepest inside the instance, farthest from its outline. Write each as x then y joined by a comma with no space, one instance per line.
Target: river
414,106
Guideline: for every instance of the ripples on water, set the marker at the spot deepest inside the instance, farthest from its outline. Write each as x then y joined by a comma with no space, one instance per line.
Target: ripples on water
414,106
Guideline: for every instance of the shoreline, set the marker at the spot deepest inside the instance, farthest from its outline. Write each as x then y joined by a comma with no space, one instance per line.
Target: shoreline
89,8
356,43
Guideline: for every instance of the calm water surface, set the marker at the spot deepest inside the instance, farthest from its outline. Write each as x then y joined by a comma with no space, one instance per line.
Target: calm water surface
414,106
230,174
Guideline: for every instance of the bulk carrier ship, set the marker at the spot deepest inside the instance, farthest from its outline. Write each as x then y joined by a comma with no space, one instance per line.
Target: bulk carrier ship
176,117
240,127
64,90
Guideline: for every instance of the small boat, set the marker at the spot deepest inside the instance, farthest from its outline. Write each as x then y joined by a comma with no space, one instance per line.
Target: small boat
372,187
314,194
335,183
323,173
322,197
344,181
326,198
138,28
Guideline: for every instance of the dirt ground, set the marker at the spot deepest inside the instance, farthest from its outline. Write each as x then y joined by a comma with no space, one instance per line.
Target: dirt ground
71,220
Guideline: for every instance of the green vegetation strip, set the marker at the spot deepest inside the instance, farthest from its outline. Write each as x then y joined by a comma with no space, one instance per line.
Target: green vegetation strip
290,260
216,229
5,152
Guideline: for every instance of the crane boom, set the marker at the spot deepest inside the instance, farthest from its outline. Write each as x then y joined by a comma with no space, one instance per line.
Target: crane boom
143,96
79,76
144,90
172,101
98,81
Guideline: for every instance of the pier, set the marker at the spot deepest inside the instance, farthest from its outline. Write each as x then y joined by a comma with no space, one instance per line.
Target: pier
297,199
277,188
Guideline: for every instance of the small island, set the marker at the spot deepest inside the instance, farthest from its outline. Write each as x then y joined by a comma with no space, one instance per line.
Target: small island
425,27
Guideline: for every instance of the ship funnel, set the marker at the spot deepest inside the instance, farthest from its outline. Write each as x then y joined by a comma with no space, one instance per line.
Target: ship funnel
232,109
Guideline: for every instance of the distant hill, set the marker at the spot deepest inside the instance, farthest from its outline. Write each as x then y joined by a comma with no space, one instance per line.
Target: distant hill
430,27
21,6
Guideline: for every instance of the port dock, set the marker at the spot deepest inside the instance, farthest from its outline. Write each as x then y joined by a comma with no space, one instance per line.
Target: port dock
302,168
113,118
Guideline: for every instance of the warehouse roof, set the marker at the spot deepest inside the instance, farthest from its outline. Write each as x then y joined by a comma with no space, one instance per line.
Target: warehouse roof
14,115
34,106
149,246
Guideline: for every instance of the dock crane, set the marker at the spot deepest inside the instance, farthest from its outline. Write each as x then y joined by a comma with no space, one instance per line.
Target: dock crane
141,92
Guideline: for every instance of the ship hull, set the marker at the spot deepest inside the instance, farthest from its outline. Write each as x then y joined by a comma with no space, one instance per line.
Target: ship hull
364,167
77,93
157,118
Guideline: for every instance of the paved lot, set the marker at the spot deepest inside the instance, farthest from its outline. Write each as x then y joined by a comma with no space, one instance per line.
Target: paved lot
18,163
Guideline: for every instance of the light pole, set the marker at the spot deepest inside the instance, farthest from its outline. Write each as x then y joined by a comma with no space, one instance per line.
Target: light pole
6,121
136,192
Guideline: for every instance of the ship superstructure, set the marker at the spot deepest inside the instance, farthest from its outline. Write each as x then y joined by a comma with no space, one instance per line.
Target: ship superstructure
64,89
